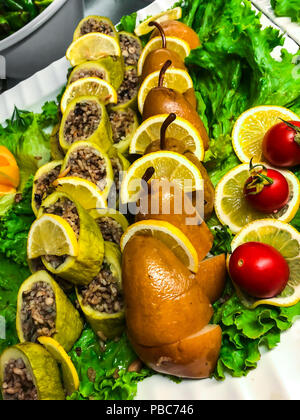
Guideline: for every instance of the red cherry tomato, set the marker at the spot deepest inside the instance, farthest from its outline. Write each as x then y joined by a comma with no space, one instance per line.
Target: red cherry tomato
259,269
281,144
274,194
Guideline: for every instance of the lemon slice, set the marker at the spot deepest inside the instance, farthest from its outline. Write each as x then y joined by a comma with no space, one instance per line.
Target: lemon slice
69,373
176,79
92,47
232,207
177,45
170,235
251,127
286,240
89,86
180,129
172,14
51,235
83,191
167,165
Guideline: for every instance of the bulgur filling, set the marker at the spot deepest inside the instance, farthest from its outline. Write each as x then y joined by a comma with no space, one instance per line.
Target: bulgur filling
131,49
85,163
38,313
44,185
90,72
129,87
94,25
18,383
82,121
121,123
66,209
111,230
103,293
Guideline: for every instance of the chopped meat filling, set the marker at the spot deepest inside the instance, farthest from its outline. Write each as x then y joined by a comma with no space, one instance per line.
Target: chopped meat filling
44,185
129,87
88,72
121,122
66,209
38,313
110,229
95,25
18,384
103,294
82,121
131,49
87,164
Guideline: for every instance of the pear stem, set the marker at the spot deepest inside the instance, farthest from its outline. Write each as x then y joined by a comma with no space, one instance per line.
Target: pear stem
171,118
162,33
146,177
163,72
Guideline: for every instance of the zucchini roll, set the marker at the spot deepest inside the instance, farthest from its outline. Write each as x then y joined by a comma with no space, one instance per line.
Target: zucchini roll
45,311
102,300
43,183
128,91
86,160
111,223
28,373
86,265
92,24
131,48
85,119
56,151
119,164
124,123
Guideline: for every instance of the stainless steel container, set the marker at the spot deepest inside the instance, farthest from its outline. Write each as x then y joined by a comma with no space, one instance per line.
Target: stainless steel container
43,40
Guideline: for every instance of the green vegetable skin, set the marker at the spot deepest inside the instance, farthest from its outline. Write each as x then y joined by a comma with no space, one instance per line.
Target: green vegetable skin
289,8
228,85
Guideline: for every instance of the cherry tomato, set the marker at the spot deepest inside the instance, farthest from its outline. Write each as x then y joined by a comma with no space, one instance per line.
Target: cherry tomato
259,269
281,144
267,190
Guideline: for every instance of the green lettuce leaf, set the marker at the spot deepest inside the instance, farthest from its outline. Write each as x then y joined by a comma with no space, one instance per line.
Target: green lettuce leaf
14,227
245,331
25,137
104,374
289,8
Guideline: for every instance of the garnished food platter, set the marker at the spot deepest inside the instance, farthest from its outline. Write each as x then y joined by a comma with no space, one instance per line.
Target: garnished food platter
119,301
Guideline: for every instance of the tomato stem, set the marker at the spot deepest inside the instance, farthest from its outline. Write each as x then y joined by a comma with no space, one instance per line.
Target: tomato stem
294,127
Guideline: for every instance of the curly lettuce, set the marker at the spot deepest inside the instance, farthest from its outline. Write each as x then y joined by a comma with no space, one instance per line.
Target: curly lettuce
287,8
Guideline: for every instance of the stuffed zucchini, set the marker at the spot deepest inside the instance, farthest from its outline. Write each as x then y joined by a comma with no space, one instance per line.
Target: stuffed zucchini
110,69
86,160
43,183
124,123
128,91
131,48
44,310
112,224
92,24
56,151
102,300
80,269
29,372
85,119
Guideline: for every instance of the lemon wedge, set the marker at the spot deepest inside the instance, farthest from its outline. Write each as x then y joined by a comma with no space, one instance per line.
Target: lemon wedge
170,236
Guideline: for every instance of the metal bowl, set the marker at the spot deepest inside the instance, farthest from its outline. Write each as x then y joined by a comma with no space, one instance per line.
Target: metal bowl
42,41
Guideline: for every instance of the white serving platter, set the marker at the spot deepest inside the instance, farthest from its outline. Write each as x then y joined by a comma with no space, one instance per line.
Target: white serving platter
278,374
